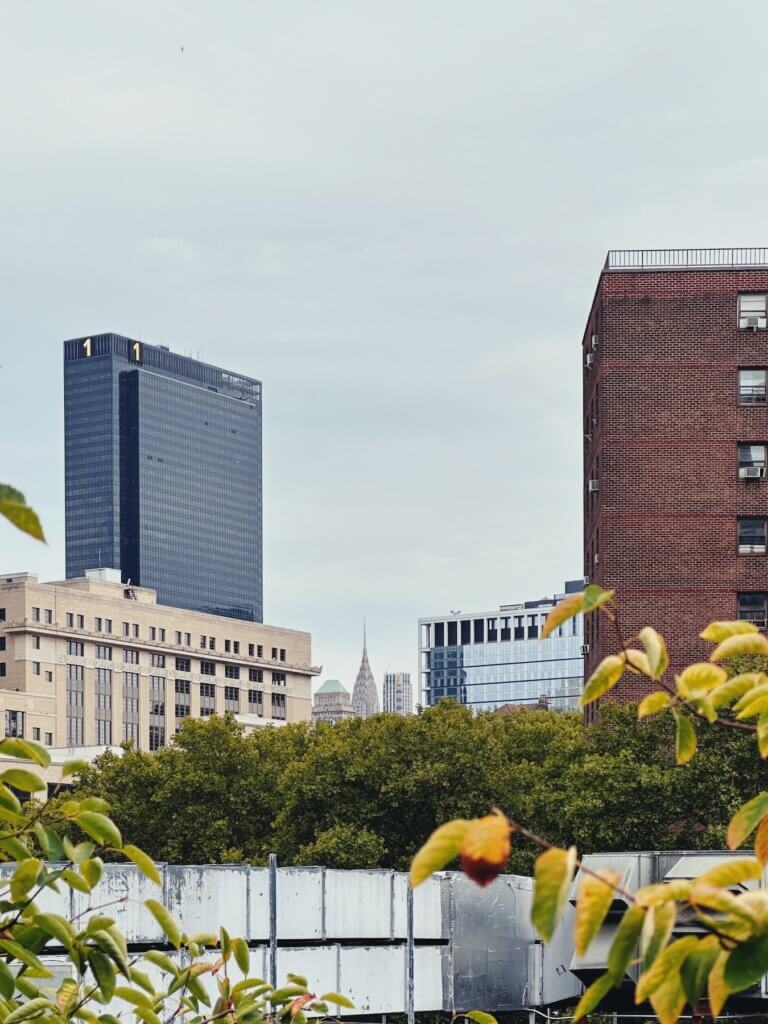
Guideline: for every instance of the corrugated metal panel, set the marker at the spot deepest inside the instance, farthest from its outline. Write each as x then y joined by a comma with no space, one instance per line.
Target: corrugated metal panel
126,885
358,904
205,898
374,978
300,904
428,920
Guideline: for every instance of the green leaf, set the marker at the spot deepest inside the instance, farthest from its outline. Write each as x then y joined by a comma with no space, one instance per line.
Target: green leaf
595,596
604,678
103,971
57,927
72,766
24,878
25,750
625,941
76,881
163,961
696,968
685,739
143,862
34,1008
656,649
16,951
653,703
337,1000
134,996
95,803
668,962
100,827
440,849
92,870
66,995
657,929
107,943
17,511
734,689
746,820
593,902
553,873
166,922
746,964
593,996
7,980
23,780
15,847
287,992
243,958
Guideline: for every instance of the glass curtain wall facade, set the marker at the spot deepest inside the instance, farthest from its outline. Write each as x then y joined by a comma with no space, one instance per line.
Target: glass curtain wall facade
489,659
164,474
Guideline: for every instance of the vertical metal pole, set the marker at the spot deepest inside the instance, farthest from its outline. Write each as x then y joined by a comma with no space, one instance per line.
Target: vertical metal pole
409,953
273,919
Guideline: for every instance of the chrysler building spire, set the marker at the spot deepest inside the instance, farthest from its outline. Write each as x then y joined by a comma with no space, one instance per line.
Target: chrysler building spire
365,697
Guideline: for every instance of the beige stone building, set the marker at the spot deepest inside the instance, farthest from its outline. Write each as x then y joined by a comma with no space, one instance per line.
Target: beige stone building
93,662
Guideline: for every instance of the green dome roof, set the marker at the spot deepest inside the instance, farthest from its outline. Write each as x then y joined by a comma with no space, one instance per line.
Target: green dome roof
332,686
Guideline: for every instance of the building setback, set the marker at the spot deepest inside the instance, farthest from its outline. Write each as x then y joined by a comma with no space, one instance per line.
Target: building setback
398,696
676,426
163,475
92,661
332,703
487,659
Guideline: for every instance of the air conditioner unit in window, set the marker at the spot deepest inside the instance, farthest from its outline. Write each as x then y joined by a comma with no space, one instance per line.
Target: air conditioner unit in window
755,322
592,487
597,558
593,342
585,649
751,472
590,361
751,549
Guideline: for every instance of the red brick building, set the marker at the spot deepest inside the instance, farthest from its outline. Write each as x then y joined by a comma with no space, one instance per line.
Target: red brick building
675,433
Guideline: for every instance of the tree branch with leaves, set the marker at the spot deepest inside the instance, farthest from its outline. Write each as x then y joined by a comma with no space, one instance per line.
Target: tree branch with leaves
730,952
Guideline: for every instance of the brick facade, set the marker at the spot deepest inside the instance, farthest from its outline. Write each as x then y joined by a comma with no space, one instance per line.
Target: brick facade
662,422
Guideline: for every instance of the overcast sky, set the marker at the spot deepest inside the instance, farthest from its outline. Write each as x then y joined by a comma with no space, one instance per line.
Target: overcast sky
394,215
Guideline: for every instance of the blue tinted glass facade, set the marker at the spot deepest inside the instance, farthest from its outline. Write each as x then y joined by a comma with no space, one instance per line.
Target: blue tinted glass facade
163,474
495,658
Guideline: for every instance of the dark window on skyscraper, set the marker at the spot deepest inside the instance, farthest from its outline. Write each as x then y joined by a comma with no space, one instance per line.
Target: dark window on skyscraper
452,634
466,627
439,634
479,629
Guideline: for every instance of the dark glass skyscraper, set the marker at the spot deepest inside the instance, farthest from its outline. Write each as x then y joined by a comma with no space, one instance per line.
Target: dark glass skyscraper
163,474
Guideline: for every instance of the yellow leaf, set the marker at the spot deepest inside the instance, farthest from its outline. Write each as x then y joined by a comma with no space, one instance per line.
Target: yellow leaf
735,688
552,872
717,990
592,904
637,661
564,610
604,678
761,842
746,820
685,740
700,678
730,872
716,632
668,1000
485,847
742,643
653,703
753,706
656,649
625,941
662,892
657,929
669,961
721,900
440,849
595,596
760,687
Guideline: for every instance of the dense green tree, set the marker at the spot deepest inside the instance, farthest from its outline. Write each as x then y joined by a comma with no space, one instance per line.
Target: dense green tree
304,792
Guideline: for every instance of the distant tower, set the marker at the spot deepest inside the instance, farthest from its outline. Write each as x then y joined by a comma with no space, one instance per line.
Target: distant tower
398,699
365,698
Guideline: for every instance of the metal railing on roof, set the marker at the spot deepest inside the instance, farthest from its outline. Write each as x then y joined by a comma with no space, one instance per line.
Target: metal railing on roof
647,259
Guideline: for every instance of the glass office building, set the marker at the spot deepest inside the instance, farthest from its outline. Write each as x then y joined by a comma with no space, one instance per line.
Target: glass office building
163,474
488,659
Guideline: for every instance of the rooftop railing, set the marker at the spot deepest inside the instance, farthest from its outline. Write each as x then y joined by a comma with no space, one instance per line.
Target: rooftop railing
656,259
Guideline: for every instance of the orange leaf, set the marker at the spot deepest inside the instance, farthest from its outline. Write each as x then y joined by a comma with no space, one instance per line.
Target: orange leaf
485,848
